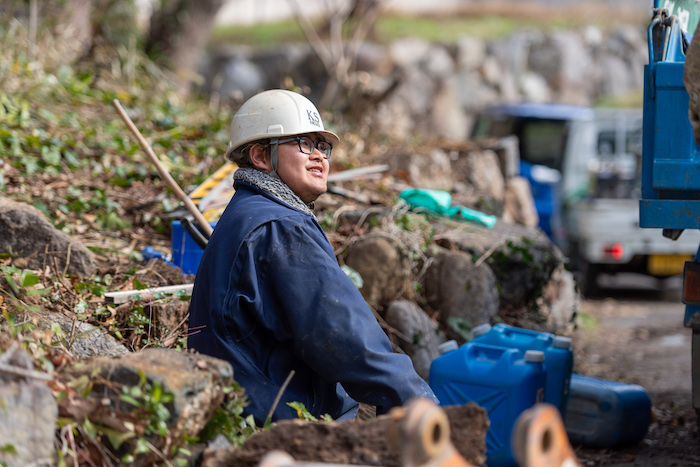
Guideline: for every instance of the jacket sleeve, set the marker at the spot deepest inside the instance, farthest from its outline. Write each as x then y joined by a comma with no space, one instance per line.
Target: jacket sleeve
328,323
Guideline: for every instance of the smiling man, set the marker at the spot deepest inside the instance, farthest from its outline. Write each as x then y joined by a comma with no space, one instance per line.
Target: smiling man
269,295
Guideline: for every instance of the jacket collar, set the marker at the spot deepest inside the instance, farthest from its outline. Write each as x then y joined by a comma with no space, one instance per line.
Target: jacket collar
273,186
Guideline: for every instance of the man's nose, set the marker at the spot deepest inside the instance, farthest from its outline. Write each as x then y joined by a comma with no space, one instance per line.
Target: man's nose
317,154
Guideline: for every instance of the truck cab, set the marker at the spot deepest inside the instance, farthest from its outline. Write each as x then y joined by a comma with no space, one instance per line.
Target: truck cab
584,168
553,141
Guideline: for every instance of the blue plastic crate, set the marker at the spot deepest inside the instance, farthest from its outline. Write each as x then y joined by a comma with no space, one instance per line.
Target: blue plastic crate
186,254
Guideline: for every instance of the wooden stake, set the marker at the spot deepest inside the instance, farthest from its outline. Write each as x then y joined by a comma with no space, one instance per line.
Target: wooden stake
202,223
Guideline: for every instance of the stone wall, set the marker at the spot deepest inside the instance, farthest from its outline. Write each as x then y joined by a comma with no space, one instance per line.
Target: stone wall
414,87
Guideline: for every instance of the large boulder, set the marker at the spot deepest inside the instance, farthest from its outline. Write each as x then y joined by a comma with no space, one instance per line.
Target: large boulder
523,267
465,294
34,243
384,269
523,261
421,336
430,168
28,414
519,206
559,302
84,340
196,382
481,172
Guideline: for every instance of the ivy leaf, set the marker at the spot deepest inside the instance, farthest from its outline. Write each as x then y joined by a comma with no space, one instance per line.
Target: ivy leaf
141,446
89,429
28,278
353,275
117,438
80,308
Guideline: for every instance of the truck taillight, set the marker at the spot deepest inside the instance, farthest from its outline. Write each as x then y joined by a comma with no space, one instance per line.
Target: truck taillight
691,283
616,251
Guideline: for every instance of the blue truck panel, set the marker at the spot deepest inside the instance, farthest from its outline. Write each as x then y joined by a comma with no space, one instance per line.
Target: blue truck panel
670,156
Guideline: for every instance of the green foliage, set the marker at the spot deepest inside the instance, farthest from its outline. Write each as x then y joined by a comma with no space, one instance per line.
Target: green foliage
412,222
229,420
434,29
328,221
151,404
587,321
419,223
149,415
260,35
22,283
8,449
418,338
512,252
60,121
304,414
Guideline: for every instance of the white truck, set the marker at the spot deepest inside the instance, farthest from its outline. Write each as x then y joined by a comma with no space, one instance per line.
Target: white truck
584,167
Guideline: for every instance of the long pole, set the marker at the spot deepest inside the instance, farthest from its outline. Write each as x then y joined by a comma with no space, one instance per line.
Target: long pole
202,223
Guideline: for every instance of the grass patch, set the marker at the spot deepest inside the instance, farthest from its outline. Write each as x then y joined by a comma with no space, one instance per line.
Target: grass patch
449,29
388,29
262,35
587,321
485,21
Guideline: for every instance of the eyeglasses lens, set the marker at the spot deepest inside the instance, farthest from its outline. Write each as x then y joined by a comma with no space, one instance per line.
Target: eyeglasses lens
307,145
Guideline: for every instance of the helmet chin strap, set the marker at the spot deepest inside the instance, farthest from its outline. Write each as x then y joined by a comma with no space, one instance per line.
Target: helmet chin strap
274,157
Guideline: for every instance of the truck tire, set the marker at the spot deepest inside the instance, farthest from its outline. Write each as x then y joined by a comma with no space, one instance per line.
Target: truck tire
588,279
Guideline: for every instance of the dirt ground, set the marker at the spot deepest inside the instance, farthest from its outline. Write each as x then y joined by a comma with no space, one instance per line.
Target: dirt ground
634,333
388,440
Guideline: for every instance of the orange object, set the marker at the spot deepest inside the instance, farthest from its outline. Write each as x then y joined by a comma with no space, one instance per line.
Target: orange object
539,439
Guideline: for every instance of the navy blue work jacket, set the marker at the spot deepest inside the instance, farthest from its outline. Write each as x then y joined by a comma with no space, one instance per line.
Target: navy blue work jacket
269,297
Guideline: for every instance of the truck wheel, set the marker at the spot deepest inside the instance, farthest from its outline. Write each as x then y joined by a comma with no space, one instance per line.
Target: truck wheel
588,279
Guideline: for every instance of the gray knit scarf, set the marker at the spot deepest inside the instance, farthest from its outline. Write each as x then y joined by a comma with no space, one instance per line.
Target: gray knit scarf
274,186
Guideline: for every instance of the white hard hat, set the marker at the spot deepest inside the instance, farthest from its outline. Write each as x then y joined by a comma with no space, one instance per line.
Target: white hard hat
275,114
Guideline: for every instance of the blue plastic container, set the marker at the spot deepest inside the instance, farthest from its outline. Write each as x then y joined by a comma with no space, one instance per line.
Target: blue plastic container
606,414
503,381
559,356
186,254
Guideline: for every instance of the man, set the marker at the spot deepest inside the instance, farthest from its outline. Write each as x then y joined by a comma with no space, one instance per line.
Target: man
269,295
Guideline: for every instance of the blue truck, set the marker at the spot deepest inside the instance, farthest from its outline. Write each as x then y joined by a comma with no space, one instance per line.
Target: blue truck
671,156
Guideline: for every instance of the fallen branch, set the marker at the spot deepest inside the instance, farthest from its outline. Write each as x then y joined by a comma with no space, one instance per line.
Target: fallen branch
18,371
353,195
488,253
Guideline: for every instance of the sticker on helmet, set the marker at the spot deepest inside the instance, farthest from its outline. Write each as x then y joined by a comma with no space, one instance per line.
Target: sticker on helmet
314,119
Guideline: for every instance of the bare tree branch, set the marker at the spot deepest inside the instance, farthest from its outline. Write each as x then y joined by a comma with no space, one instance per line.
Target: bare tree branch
338,54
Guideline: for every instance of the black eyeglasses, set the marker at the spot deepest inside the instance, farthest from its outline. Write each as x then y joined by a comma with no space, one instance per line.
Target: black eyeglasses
307,145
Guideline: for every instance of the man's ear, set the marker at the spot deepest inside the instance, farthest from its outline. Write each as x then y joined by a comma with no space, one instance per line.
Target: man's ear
260,157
